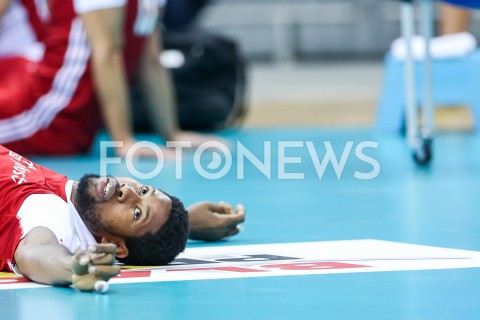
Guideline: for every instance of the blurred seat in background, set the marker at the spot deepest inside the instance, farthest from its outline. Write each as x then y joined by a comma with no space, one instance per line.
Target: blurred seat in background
456,65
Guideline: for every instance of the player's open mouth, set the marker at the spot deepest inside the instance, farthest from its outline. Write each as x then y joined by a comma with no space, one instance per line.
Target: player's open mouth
106,188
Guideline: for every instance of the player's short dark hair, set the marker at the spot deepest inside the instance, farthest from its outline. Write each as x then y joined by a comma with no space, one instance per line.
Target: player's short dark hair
163,246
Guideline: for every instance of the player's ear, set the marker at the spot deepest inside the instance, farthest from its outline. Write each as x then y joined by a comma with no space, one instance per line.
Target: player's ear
122,250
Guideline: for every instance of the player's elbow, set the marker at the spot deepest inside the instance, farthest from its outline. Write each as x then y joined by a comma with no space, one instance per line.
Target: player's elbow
107,52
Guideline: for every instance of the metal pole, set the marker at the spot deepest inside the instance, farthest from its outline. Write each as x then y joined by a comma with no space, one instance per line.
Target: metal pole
428,107
408,23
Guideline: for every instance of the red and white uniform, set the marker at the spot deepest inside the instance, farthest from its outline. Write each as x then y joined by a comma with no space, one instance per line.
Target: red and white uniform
33,196
50,107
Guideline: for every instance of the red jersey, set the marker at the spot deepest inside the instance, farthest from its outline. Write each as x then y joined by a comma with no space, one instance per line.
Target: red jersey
34,196
20,178
55,110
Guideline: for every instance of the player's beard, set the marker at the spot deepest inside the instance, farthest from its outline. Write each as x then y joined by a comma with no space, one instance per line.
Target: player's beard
87,204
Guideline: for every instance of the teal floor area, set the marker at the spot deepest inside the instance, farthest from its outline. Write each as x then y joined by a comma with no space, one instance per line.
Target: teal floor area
436,206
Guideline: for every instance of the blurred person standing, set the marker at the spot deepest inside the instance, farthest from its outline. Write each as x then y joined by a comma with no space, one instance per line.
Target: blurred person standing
453,19
453,38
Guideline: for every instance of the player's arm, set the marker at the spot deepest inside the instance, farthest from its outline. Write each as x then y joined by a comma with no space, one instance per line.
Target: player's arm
212,222
3,7
104,29
156,84
40,258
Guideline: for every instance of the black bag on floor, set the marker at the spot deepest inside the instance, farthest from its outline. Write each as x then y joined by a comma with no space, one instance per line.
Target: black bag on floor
210,84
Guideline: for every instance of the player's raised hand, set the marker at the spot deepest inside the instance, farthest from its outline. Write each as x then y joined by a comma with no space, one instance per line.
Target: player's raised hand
212,222
197,139
92,268
140,149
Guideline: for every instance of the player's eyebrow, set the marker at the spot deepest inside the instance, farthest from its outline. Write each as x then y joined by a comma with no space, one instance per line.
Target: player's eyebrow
147,214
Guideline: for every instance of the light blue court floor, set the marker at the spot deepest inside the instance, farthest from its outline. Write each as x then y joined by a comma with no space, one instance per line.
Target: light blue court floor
438,206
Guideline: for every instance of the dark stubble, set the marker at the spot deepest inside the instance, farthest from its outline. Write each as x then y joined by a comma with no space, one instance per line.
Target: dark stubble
87,204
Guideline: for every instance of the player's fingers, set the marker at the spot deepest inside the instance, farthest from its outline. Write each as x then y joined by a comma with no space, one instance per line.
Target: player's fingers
143,152
226,207
237,218
216,207
80,262
103,248
84,282
104,272
89,282
240,208
169,154
233,231
102,258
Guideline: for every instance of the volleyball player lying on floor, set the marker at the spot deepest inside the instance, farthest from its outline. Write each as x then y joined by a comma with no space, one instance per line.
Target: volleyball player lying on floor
60,232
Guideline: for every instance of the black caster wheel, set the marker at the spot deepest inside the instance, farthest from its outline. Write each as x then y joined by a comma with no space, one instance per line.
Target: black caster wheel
423,155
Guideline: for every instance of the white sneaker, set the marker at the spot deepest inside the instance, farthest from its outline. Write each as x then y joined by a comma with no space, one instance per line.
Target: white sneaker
442,47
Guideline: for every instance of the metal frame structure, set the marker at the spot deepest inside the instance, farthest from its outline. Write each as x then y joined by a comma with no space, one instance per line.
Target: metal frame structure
419,131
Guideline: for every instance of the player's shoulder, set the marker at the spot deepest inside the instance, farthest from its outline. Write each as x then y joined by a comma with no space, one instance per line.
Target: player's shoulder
44,210
48,203
49,211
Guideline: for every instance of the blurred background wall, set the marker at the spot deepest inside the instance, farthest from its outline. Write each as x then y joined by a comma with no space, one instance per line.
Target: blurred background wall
309,29
317,62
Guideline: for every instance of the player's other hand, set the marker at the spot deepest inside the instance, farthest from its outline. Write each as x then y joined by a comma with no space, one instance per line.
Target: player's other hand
144,151
212,222
94,264
197,139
